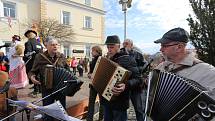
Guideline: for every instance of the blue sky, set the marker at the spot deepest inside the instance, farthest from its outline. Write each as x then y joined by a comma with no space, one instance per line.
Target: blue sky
147,20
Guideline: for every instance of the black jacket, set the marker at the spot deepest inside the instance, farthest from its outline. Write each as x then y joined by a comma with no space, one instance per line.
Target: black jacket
92,64
30,46
128,62
138,57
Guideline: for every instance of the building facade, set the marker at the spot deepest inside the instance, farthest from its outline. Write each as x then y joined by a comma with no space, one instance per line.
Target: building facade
85,16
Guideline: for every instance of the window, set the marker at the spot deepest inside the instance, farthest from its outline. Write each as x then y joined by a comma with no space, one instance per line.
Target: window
9,9
88,46
66,51
66,18
88,2
87,22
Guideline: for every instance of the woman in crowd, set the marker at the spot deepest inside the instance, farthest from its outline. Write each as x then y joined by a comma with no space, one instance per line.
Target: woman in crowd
96,52
17,71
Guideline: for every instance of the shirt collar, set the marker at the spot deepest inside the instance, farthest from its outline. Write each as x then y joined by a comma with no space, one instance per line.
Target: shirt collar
188,60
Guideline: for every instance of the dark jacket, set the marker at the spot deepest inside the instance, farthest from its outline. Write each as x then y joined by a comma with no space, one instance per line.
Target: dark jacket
92,64
138,57
30,46
128,62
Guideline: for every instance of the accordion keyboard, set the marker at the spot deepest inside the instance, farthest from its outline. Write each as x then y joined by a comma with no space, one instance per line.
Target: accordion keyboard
106,74
117,77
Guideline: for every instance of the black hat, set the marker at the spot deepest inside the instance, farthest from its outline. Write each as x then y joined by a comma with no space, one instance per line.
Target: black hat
174,35
27,32
114,39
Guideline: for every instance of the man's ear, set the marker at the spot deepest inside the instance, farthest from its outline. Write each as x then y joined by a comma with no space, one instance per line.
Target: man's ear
180,47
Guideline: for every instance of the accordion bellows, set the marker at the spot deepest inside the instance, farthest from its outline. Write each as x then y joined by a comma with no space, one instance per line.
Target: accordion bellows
106,74
55,77
175,98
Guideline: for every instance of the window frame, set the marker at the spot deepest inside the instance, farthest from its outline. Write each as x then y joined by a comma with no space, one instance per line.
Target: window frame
9,9
88,2
87,22
66,51
63,20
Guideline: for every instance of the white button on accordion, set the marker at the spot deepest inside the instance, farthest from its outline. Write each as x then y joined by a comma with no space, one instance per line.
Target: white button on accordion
106,74
174,98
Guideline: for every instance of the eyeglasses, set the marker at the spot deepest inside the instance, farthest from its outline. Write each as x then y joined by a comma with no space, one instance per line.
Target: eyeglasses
165,46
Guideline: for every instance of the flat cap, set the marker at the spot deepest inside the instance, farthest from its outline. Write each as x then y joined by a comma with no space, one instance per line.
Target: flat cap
174,35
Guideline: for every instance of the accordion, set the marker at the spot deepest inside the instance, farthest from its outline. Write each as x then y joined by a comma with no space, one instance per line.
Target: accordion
174,98
106,74
57,78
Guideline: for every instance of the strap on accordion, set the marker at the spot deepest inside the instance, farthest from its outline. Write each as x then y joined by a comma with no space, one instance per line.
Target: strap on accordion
49,60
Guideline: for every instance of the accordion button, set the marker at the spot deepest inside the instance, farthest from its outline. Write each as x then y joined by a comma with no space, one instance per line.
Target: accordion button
206,113
211,108
202,105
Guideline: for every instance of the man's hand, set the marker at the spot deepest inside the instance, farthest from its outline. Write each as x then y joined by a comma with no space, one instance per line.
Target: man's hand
33,79
118,88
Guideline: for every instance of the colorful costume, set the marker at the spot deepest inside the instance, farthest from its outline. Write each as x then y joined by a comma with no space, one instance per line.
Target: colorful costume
17,72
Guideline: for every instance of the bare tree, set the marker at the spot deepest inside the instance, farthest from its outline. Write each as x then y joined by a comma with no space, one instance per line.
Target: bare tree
52,27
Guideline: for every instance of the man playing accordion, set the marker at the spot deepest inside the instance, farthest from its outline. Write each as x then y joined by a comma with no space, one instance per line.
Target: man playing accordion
184,63
37,73
116,110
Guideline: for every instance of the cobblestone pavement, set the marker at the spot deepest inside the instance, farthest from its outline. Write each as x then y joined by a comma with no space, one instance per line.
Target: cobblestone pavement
83,93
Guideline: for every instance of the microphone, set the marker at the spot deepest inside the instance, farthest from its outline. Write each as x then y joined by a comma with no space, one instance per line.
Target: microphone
5,88
30,53
151,59
72,81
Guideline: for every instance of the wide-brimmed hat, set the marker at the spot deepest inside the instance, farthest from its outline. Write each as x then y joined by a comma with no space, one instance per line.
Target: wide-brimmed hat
16,37
29,31
174,35
114,39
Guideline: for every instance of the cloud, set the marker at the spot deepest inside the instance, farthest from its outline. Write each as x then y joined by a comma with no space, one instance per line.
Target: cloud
147,47
166,13
147,20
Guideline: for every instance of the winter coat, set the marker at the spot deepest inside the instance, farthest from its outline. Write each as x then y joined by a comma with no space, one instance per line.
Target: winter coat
129,63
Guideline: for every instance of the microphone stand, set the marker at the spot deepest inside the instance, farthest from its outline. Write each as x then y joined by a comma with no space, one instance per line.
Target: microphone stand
34,102
147,97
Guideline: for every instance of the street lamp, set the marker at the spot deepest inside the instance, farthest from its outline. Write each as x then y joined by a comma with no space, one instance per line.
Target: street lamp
125,4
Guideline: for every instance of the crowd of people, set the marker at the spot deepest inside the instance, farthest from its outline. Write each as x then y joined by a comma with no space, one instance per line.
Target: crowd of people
27,64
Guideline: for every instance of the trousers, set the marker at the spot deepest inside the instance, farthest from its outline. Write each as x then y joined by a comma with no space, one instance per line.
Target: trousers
138,99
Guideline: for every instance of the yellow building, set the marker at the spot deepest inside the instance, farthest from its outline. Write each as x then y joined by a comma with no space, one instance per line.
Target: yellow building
85,16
